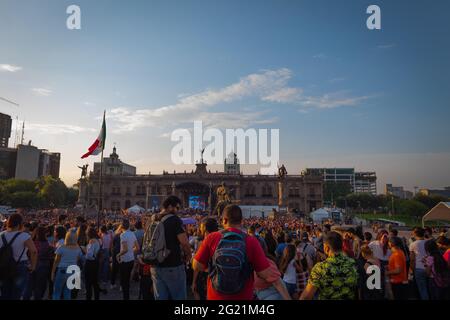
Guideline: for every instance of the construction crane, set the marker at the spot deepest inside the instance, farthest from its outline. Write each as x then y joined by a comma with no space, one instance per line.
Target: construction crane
9,101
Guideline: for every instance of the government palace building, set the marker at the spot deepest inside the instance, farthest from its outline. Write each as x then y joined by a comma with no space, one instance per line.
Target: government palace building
123,188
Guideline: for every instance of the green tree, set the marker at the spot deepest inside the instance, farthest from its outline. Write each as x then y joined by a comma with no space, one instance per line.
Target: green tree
18,191
430,201
44,192
412,208
383,201
72,197
362,201
17,185
333,191
24,199
53,191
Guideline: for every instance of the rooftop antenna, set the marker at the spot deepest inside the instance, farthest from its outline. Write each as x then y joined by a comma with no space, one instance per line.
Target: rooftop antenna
16,132
23,131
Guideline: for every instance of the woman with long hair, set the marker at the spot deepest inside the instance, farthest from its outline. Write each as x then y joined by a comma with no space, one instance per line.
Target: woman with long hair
437,270
59,236
380,247
347,245
82,235
92,264
273,287
115,249
270,241
305,265
39,277
105,269
67,255
289,267
381,251
369,260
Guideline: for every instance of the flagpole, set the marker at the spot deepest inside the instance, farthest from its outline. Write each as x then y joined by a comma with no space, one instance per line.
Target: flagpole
100,194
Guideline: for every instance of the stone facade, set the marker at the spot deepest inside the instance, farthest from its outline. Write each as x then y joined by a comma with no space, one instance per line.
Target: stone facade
302,193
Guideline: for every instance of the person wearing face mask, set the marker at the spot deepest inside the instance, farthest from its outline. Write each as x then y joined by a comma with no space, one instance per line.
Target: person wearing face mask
336,278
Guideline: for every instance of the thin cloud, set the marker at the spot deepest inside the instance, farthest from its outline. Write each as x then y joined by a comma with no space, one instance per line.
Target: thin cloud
284,95
55,129
332,100
334,80
233,120
386,46
41,92
9,68
320,56
267,86
188,108
89,104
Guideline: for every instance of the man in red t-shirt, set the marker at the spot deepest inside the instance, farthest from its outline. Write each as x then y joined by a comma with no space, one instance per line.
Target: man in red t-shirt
232,221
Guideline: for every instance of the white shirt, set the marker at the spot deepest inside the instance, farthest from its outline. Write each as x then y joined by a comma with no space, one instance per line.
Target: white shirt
418,247
377,250
129,239
18,245
290,276
92,250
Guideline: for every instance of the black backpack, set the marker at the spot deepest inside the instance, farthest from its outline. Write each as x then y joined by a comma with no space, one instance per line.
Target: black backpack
8,266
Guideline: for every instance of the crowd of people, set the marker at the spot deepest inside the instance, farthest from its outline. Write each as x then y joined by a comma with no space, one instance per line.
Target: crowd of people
211,258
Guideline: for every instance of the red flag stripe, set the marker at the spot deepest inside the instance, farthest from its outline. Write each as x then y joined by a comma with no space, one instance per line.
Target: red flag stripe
91,149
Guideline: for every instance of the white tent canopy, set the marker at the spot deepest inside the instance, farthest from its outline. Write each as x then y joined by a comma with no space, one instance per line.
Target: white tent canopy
257,211
136,209
319,215
441,212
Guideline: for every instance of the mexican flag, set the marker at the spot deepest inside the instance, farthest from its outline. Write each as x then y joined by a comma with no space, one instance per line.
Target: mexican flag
99,143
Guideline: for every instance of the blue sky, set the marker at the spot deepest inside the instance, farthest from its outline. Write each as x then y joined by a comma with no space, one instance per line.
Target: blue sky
340,94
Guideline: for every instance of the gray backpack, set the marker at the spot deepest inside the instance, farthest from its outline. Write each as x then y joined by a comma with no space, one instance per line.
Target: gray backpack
154,250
